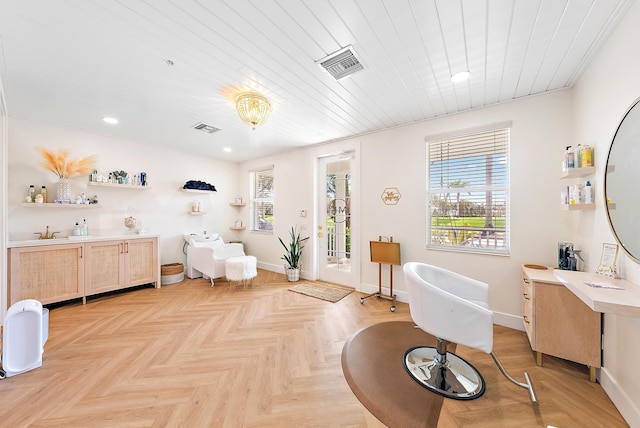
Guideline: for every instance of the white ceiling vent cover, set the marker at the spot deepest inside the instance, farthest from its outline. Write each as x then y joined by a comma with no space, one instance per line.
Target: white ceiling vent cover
342,63
205,128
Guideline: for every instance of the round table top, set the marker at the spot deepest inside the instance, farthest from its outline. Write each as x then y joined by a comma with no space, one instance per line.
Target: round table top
372,362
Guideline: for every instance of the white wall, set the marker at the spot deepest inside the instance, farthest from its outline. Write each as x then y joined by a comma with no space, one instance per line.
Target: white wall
3,196
397,158
162,210
601,97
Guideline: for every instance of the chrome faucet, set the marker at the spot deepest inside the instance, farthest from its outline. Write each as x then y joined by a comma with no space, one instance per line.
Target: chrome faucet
46,234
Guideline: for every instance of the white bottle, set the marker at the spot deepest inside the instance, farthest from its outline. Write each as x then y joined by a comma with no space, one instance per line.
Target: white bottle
85,227
576,194
588,193
570,158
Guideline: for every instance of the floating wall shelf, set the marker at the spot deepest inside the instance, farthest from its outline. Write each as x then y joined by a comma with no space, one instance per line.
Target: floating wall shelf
119,186
52,205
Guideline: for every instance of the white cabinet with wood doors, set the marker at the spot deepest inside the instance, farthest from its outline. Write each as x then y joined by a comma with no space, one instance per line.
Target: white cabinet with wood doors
113,265
557,322
54,272
46,273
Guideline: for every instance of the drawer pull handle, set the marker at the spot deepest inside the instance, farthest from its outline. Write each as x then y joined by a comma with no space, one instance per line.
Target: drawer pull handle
526,296
526,319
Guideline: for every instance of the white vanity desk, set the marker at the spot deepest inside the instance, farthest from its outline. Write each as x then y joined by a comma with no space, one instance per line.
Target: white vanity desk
562,314
625,302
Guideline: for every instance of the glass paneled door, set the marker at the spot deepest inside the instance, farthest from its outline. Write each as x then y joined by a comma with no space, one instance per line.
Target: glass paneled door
337,252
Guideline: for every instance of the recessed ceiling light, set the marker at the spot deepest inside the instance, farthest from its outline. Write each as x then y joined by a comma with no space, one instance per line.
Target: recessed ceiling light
110,120
460,77
226,149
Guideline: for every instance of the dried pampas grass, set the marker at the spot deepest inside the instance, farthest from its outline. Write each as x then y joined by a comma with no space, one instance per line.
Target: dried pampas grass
63,167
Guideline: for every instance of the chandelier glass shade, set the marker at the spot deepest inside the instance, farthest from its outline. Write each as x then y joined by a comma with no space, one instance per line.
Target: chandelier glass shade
253,109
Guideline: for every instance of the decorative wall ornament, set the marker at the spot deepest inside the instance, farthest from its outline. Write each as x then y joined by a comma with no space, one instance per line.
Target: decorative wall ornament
390,196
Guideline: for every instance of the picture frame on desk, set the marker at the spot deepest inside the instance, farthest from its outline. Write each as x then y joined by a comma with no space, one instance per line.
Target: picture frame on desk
608,261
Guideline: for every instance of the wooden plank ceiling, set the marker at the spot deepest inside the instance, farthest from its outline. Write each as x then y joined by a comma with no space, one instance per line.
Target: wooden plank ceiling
72,62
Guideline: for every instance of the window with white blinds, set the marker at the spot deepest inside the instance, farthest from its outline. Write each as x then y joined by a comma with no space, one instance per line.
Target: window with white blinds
468,192
262,200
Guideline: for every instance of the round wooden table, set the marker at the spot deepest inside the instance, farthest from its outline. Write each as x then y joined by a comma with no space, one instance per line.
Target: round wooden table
372,362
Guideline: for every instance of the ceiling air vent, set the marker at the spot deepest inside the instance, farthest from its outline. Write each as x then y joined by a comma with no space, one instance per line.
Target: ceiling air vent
205,128
342,63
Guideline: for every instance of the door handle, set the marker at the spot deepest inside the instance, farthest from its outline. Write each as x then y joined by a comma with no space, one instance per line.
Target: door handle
320,235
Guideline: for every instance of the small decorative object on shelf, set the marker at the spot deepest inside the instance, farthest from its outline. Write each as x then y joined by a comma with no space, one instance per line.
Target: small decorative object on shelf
238,201
64,169
609,261
130,221
196,207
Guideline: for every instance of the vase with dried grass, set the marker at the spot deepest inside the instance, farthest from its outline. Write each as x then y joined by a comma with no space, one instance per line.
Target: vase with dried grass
65,168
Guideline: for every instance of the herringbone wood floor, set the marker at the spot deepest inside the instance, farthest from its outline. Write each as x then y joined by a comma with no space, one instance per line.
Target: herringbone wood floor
194,356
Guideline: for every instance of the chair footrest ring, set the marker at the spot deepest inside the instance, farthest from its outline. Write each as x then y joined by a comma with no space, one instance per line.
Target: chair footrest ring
453,378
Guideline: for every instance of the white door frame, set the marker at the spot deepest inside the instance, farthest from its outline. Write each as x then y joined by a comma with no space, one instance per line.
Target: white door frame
352,277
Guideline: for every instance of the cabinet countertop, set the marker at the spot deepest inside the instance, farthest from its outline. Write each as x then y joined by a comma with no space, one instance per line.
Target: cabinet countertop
76,240
625,302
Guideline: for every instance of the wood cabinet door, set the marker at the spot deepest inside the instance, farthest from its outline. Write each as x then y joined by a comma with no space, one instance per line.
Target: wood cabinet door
104,266
565,326
47,273
141,261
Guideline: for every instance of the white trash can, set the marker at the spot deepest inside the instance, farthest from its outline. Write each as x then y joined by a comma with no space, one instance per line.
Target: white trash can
23,341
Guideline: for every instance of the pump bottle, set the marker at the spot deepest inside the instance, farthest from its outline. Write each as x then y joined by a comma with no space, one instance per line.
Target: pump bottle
588,193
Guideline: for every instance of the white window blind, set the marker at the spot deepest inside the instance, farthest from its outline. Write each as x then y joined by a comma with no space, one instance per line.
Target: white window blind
262,200
468,192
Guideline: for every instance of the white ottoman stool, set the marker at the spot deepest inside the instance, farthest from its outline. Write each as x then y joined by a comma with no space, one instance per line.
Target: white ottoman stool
241,269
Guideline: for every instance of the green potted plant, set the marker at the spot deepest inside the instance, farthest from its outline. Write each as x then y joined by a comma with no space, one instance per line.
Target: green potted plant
292,255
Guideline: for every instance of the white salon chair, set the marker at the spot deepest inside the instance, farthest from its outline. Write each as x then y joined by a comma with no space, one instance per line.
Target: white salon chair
453,308
206,256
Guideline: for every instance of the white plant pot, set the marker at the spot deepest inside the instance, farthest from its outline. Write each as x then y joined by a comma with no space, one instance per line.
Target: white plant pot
293,274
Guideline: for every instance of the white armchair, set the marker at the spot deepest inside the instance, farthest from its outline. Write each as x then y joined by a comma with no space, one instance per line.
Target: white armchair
206,256
453,308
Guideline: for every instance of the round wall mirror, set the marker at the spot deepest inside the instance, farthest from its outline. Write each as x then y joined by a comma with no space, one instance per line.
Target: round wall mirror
621,176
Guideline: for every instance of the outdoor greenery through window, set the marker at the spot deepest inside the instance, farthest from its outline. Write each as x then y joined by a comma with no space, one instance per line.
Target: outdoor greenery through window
262,200
468,192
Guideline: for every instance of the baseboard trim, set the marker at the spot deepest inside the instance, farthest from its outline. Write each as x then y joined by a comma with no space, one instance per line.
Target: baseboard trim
279,269
619,397
507,320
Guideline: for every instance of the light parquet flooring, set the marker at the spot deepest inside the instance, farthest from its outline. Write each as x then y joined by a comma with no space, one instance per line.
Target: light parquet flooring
188,355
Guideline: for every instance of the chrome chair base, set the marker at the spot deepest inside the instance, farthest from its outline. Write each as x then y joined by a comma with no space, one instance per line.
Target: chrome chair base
448,375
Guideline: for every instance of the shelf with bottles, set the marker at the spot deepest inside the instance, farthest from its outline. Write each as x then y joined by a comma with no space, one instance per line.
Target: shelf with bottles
55,205
120,186
577,197
238,203
578,172
577,207
238,226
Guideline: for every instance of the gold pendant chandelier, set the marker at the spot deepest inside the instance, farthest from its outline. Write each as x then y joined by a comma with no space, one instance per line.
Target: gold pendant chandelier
253,109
